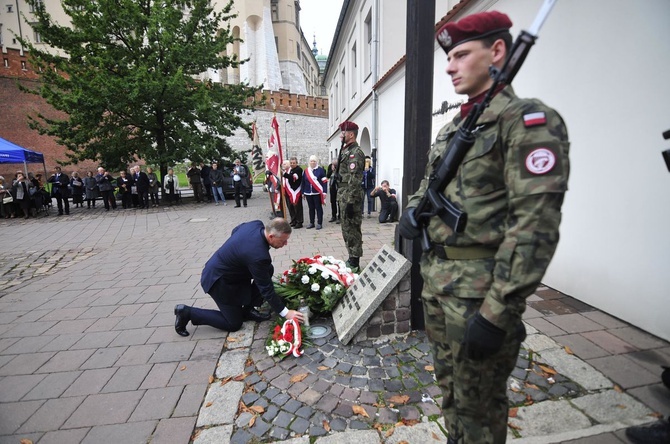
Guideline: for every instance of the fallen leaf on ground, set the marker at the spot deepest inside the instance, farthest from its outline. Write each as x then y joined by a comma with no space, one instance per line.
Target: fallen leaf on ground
183,367
409,422
618,388
514,426
399,399
389,432
620,406
326,425
512,412
232,339
209,404
533,386
437,438
429,368
322,367
25,441
358,410
298,378
568,350
225,380
257,408
241,376
403,442
547,369
252,421
211,379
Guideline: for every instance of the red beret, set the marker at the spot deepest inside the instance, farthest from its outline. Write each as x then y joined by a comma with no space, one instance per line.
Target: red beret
473,27
348,126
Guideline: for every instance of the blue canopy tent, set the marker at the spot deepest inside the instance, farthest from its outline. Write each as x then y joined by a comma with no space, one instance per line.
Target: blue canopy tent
11,153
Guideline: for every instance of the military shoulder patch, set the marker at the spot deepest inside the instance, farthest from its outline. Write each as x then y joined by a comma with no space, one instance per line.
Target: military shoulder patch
534,119
352,166
540,161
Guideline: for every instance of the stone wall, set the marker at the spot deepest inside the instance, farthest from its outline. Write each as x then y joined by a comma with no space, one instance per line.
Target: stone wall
392,317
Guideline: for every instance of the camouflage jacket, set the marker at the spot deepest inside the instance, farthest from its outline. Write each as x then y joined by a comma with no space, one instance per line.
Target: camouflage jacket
511,185
351,164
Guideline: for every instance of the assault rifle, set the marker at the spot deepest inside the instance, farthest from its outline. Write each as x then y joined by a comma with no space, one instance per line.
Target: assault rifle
434,203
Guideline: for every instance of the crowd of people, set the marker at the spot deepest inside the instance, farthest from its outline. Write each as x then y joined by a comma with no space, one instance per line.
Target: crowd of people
29,195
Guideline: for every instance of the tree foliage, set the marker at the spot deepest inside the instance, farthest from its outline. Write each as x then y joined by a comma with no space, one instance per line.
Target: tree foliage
126,74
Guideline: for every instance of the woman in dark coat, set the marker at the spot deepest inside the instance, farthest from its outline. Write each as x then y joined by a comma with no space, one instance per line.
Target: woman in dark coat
77,186
91,189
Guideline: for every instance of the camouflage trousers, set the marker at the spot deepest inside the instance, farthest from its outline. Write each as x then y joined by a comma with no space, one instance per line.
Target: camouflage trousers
474,393
351,229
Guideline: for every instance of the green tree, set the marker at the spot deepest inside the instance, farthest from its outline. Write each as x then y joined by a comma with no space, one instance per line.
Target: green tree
126,75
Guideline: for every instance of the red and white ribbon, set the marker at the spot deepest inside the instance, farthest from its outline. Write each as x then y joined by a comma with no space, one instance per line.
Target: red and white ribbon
296,345
315,184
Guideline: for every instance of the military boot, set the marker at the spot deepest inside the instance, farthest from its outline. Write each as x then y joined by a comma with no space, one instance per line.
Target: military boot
353,262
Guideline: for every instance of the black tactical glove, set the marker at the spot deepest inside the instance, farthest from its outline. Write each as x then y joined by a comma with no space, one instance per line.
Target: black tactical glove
482,339
409,229
349,211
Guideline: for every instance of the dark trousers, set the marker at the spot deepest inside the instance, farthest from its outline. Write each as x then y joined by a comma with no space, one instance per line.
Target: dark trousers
389,213
208,190
314,206
232,300
333,204
127,199
154,198
62,202
108,199
197,191
295,211
143,196
240,189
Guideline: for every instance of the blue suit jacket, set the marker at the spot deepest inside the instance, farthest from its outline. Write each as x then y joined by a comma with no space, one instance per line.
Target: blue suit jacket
244,257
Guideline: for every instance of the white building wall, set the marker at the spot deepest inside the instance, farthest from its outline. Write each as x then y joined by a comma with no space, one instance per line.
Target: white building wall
603,65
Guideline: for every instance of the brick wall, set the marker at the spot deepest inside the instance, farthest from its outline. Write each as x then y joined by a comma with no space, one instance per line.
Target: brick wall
392,317
295,103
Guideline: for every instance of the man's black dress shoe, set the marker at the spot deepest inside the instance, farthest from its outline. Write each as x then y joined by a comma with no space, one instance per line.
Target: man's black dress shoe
656,433
182,316
255,315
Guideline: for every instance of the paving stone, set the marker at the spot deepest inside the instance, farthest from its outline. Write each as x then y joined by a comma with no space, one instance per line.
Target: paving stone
220,410
64,361
292,405
241,436
175,351
191,399
299,425
131,432
231,363
531,420
13,388
278,433
136,355
283,419
610,406
51,415
280,398
174,430
127,378
304,412
189,372
260,427
102,409
270,413
157,403
310,396
90,382
14,414
24,364
52,386
64,436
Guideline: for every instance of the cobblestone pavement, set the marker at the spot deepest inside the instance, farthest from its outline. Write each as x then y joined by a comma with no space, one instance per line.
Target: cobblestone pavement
88,352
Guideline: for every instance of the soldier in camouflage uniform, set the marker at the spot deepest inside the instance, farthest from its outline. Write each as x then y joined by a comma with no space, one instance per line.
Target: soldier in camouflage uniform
511,184
351,164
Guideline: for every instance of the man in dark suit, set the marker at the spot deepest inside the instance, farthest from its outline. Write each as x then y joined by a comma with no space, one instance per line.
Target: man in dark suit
142,184
59,182
238,277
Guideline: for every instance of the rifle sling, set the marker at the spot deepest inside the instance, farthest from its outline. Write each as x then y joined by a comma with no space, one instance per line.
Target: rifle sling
463,253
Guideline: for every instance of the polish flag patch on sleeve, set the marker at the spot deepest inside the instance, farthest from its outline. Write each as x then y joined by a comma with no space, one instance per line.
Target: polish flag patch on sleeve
534,119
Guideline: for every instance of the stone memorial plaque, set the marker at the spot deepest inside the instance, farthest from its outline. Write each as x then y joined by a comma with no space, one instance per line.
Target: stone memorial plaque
366,294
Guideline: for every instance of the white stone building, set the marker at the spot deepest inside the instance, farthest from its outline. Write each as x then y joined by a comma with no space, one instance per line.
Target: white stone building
603,65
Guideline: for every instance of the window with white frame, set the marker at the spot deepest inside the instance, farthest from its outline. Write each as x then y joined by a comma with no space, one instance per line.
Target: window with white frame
34,6
343,79
354,70
367,56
